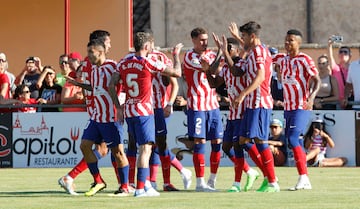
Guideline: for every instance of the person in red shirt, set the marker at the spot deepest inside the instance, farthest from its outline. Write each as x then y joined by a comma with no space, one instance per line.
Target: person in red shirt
22,93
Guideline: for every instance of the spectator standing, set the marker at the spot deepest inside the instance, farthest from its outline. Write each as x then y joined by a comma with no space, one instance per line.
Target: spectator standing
64,69
30,75
340,70
5,85
328,94
276,87
353,84
10,75
49,91
72,94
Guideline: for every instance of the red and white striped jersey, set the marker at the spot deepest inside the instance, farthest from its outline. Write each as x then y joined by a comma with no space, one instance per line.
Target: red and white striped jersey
259,58
200,97
234,85
86,78
103,106
136,77
159,88
295,76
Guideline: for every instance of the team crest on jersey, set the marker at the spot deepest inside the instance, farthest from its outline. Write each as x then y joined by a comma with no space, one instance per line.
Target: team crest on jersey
197,131
195,61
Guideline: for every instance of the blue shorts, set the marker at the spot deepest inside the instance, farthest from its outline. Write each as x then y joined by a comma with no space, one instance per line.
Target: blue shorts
232,131
110,133
256,123
142,128
160,122
296,120
205,124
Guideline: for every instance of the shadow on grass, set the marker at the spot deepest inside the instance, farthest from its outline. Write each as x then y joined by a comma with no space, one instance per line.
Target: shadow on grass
31,193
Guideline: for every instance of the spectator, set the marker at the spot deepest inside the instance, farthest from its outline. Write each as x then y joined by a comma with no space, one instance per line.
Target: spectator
276,86
277,142
10,75
316,141
72,94
340,70
22,93
5,86
50,92
74,60
30,75
328,94
64,70
353,84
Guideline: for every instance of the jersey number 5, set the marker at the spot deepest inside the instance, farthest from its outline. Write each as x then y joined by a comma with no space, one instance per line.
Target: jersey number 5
132,84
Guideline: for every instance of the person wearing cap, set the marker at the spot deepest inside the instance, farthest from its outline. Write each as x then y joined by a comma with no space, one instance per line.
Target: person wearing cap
301,82
316,142
75,60
277,142
340,70
30,75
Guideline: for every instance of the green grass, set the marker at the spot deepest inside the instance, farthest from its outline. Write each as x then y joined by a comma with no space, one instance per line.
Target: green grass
38,188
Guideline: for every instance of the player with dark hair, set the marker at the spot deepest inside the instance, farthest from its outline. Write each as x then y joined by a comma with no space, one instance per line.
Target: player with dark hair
135,74
301,82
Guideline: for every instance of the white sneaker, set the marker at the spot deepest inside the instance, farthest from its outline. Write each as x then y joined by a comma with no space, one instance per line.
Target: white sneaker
205,188
151,192
153,184
140,193
211,183
186,177
68,185
303,183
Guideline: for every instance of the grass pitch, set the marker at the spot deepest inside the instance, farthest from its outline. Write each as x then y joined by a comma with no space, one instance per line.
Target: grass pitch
38,188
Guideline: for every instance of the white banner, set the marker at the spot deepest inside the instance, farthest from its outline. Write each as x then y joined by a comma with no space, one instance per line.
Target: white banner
53,139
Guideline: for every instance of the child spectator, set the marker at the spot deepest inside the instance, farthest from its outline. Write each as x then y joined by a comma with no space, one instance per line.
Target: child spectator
316,141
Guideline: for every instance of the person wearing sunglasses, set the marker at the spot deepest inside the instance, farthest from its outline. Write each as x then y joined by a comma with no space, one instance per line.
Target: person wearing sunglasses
340,70
64,69
22,93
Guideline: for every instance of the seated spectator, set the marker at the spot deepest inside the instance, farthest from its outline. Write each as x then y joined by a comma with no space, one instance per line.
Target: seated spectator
50,92
30,75
277,142
72,94
22,93
340,70
316,141
328,94
5,98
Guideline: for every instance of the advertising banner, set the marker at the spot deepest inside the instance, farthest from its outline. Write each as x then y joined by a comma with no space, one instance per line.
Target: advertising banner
5,141
53,139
